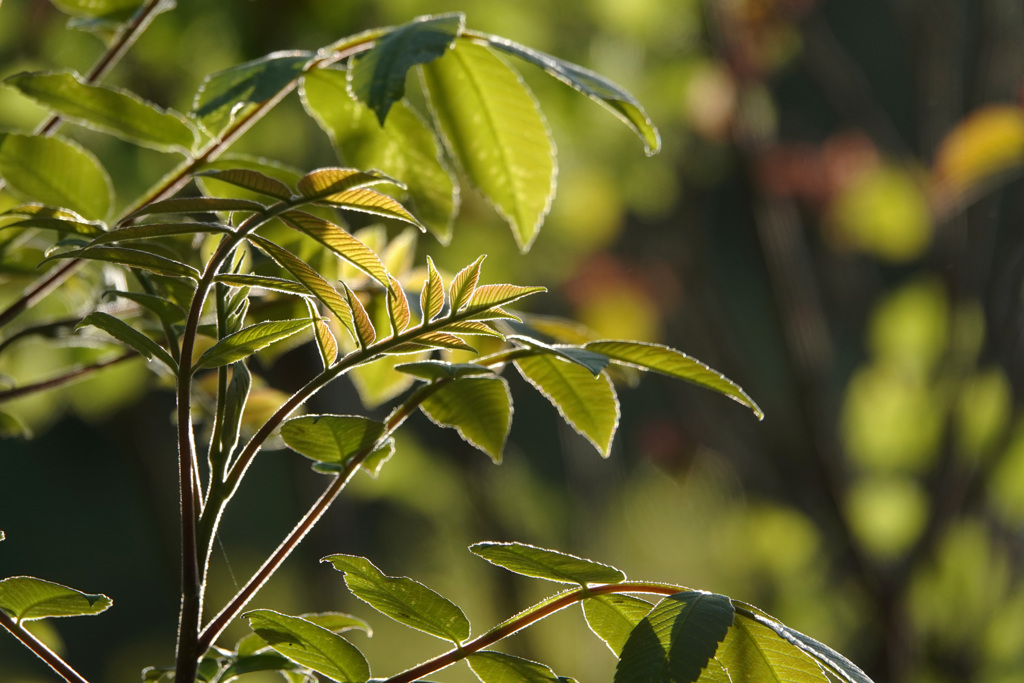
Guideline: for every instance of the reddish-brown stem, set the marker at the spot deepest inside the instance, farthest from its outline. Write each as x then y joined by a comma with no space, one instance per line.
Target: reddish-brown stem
70,376
40,649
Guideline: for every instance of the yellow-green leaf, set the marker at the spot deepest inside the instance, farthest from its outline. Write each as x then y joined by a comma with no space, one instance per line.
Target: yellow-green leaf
26,598
464,284
365,334
340,242
248,341
310,645
497,667
398,308
432,294
479,408
251,180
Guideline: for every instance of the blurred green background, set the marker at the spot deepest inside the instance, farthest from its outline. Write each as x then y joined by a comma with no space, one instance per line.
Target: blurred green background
834,222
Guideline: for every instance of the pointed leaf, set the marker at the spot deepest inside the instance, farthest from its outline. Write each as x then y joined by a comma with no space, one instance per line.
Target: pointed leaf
586,402
676,364
331,438
234,406
464,284
62,225
365,334
404,600
593,85
248,341
541,563
170,313
432,294
310,645
443,340
198,205
495,129
277,284
146,231
340,242
56,171
591,360
676,640
398,308
26,598
325,341
491,296
752,651
404,148
496,667
228,95
471,327
324,183
133,258
253,181
264,661
431,370
369,201
479,408
112,110
377,77
613,617
128,335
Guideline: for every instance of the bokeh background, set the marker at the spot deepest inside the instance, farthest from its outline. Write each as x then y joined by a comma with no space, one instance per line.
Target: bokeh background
835,222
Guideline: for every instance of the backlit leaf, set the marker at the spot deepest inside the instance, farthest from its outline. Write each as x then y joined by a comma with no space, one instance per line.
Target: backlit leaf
144,231
613,617
398,307
377,77
365,334
310,645
496,667
676,364
370,201
97,8
234,406
112,110
326,344
472,327
753,652
495,129
432,294
593,85
228,95
264,661
405,148
133,258
340,242
443,340
587,403
479,408
60,225
591,360
547,564
56,171
331,438
248,341
276,284
26,598
198,205
168,311
431,370
323,183
404,600
252,180
676,640
128,335
460,292
490,296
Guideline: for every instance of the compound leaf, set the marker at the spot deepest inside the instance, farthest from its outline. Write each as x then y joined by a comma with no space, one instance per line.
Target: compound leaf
613,617
248,341
310,645
542,563
26,598
479,408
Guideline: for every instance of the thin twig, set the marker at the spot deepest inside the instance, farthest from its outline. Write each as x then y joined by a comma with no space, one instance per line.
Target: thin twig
39,648
70,376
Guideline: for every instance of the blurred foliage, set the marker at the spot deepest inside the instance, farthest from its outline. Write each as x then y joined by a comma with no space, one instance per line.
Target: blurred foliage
834,222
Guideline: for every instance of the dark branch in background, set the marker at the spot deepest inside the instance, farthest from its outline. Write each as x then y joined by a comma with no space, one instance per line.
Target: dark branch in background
68,377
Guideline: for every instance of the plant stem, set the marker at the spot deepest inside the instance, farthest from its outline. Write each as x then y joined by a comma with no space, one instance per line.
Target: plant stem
70,376
40,649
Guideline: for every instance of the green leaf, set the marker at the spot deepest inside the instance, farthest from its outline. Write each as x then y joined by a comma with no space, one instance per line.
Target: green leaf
365,334
752,651
676,364
310,645
331,438
460,292
128,335
264,661
676,640
542,563
432,294
587,403
146,231
133,258
398,308
118,9
472,328
198,205
404,600
377,77
63,221
234,407
404,148
26,598
12,427
112,110
276,284
248,341
368,201
229,95
496,667
591,360
431,370
168,312
613,617
338,622
442,340
593,85
340,242
326,344
56,171
323,184
479,408
251,180
486,297
495,128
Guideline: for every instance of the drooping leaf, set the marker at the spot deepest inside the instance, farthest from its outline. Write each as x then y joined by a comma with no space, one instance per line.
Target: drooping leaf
146,231
340,242
26,598
676,640
676,364
495,129
197,205
542,563
432,294
431,370
56,171
460,292
276,284
112,110
404,600
613,617
377,77
404,148
62,221
128,335
133,258
93,9
331,438
588,403
593,85
753,652
398,308
310,645
591,360
248,341
253,181
496,667
479,408
169,312
228,95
